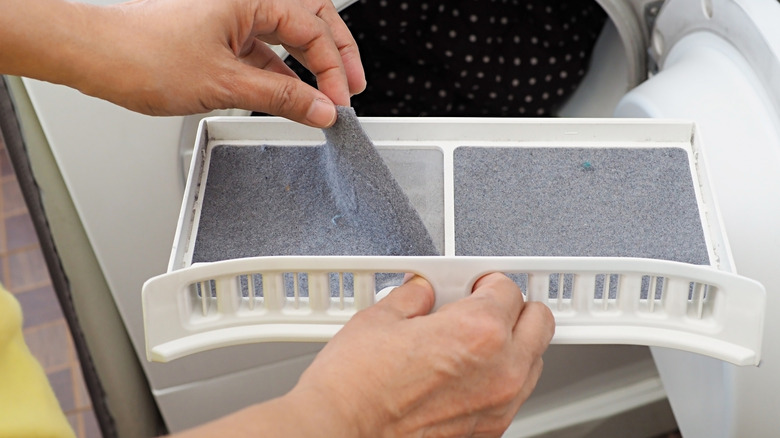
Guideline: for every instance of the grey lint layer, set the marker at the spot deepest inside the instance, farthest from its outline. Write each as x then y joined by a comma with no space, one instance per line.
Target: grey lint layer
577,202
334,199
366,193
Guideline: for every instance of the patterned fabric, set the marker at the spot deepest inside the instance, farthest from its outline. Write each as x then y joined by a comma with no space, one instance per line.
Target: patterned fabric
470,57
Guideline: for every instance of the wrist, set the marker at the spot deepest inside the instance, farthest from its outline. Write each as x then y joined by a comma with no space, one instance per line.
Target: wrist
321,413
97,61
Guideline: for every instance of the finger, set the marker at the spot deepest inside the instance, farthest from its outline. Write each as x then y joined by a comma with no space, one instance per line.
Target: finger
278,94
501,290
353,66
347,46
309,38
259,55
529,384
498,418
534,329
328,81
413,298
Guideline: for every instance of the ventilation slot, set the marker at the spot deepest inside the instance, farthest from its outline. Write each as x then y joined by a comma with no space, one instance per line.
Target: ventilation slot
699,300
606,291
342,290
296,289
560,288
652,293
204,297
250,287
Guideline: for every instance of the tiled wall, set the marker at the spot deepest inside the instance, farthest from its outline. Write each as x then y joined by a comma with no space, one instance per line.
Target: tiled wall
24,273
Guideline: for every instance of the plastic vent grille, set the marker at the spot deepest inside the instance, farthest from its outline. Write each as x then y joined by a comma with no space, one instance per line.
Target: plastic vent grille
594,300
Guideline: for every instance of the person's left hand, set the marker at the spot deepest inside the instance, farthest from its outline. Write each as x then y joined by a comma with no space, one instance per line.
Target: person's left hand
172,57
396,370
465,370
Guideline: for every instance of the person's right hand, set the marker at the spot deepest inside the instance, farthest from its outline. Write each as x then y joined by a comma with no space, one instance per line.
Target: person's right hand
177,57
169,57
396,370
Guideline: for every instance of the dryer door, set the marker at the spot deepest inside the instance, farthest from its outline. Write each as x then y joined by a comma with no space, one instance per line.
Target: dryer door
718,66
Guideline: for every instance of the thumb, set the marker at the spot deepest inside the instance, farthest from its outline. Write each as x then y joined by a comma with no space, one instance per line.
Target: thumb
414,298
281,95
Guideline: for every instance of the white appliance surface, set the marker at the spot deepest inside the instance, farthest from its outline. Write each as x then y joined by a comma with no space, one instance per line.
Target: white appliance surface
719,67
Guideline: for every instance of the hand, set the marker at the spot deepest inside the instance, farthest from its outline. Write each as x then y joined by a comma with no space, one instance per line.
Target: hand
174,57
395,370
465,370
179,56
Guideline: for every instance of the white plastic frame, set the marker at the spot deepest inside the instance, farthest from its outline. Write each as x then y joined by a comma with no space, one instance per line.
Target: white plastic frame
722,324
703,309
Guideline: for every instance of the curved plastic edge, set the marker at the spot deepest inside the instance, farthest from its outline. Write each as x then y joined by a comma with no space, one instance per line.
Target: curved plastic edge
227,337
648,336
729,328
657,337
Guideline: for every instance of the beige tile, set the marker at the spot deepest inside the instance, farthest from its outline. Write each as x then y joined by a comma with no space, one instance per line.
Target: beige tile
27,270
62,383
39,306
13,202
82,395
50,344
91,427
5,161
19,232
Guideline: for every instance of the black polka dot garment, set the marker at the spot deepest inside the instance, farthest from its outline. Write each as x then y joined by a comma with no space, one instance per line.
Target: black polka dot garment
470,57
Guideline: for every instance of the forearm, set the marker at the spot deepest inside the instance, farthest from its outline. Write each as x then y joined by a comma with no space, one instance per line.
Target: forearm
120,53
46,39
297,414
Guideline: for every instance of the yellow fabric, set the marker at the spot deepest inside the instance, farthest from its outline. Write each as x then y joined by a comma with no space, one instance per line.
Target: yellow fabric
28,406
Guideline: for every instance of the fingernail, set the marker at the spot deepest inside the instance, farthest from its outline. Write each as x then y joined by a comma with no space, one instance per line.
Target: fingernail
321,113
418,280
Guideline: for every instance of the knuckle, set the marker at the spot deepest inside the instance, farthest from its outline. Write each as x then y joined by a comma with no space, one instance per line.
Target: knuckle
367,315
505,421
377,312
516,382
506,393
225,95
496,423
547,313
483,337
283,99
485,325
547,317
220,90
349,51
